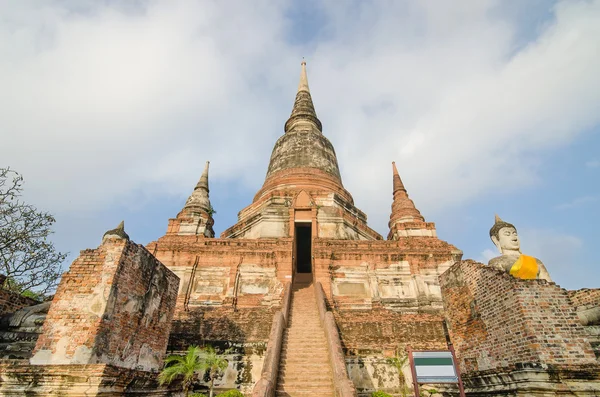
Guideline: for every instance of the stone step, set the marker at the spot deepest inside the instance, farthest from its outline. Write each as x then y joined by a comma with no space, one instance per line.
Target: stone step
302,393
301,390
307,342
291,373
313,366
307,327
302,376
304,353
300,347
304,368
305,384
298,336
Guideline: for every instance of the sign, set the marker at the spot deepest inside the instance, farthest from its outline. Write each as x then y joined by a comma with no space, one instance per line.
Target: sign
435,367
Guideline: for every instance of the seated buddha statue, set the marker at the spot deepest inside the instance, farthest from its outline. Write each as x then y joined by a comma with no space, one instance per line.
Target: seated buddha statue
512,261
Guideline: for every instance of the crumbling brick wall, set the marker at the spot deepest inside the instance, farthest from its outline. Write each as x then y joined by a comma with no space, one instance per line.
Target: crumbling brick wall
11,301
114,306
585,297
498,321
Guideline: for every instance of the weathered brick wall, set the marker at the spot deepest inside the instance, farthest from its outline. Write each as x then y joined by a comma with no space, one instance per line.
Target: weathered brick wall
399,275
220,324
114,306
10,302
103,380
585,297
228,272
498,321
386,332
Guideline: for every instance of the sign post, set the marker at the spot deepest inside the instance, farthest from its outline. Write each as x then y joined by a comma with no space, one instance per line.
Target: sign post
434,367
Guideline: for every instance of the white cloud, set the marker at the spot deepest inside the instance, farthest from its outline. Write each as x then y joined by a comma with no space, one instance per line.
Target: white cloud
558,251
487,254
577,202
592,164
107,103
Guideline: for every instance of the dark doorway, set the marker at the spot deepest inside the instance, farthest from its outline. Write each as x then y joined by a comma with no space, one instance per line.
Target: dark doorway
303,248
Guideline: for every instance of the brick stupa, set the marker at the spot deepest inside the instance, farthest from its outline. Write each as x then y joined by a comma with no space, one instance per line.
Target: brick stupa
302,225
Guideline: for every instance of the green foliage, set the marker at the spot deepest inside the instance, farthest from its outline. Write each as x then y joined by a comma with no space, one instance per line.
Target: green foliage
380,394
197,395
211,211
231,393
430,392
196,361
28,258
399,361
33,295
186,366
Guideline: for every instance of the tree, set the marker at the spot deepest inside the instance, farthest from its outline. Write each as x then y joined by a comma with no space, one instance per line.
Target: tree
214,364
27,258
187,366
197,360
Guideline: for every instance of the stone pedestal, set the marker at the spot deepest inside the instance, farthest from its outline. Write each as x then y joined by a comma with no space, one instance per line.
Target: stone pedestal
516,337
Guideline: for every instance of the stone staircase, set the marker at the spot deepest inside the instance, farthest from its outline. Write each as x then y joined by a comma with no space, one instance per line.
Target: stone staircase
304,368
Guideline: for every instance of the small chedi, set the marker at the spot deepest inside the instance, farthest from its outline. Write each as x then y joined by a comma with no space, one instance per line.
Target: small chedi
505,238
302,298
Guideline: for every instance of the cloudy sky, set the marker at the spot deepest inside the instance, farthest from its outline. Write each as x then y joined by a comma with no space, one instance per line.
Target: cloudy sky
109,110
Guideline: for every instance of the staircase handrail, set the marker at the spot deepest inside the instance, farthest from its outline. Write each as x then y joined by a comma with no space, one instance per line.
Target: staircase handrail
265,387
341,382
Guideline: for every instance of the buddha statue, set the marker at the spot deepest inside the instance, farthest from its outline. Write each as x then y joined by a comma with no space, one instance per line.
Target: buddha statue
512,261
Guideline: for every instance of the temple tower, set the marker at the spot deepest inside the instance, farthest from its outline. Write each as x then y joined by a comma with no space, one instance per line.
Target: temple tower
406,220
196,216
303,187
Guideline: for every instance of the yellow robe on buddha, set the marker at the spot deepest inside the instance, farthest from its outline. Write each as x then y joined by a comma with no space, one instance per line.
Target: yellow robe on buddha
525,267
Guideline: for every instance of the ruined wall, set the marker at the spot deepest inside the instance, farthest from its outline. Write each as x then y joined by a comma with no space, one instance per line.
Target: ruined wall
99,380
226,272
385,296
587,305
229,291
11,301
397,275
498,321
585,297
114,306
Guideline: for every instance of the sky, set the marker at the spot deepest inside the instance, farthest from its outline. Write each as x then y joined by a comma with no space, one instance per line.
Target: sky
110,109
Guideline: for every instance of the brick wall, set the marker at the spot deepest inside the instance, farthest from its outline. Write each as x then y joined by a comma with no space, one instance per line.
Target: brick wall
10,302
384,331
585,297
498,321
114,306
220,324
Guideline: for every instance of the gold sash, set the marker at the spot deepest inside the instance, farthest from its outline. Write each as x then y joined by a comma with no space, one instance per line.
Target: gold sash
525,267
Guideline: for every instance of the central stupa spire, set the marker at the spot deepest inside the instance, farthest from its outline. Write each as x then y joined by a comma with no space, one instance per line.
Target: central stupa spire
303,115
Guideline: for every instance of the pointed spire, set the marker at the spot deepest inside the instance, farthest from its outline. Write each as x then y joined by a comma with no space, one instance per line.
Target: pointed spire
403,208
203,182
497,219
303,85
303,115
199,198
398,185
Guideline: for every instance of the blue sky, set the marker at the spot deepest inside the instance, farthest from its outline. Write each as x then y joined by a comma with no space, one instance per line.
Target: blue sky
486,106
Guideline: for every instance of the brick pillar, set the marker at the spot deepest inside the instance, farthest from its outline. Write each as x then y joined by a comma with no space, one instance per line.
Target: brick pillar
114,306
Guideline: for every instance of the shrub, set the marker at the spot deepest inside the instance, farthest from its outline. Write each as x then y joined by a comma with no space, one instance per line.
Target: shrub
231,393
380,394
197,395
